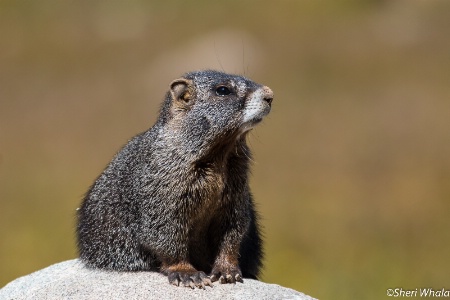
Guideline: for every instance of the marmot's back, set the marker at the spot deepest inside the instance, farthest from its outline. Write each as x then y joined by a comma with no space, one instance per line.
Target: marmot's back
176,197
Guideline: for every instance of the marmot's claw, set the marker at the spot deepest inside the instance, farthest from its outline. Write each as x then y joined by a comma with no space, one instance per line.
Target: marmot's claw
189,279
222,280
207,281
229,276
173,278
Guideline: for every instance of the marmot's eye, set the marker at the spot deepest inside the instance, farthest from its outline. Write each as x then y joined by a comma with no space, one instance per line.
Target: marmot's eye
222,91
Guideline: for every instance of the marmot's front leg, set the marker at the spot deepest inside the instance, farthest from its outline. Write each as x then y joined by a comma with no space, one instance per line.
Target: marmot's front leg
184,274
173,252
226,266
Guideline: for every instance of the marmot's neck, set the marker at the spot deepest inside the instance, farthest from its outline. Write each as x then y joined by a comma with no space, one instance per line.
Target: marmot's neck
203,152
220,152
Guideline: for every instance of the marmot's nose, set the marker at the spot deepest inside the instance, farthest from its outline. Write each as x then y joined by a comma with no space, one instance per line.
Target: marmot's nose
268,94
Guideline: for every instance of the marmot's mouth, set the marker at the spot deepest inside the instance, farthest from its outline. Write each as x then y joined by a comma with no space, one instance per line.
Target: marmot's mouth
256,120
249,125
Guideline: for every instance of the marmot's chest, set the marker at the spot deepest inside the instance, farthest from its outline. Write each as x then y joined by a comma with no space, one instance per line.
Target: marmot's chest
207,194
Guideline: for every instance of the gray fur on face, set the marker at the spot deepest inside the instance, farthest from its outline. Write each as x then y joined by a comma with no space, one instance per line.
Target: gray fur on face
213,116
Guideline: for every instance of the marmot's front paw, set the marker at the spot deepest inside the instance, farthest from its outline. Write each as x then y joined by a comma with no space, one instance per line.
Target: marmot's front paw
226,275
190,279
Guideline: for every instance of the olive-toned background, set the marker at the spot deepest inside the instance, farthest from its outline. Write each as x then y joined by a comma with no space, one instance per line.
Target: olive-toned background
352,166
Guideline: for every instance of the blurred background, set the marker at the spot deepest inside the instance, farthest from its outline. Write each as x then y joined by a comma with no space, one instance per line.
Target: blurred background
352,166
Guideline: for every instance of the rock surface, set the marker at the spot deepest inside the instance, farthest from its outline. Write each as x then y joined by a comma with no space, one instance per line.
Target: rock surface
71,280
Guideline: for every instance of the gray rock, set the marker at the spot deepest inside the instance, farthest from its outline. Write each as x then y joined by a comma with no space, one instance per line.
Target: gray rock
71,280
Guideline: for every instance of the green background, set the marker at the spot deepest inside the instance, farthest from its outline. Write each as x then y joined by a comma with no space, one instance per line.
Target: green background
352,166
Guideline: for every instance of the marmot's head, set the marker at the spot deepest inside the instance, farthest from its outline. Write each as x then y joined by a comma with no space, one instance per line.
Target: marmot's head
210,107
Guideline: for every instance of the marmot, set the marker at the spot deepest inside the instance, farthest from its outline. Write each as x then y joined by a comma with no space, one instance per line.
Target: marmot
175,198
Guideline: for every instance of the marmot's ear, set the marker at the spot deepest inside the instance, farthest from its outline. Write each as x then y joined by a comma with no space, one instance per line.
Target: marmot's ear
180,89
